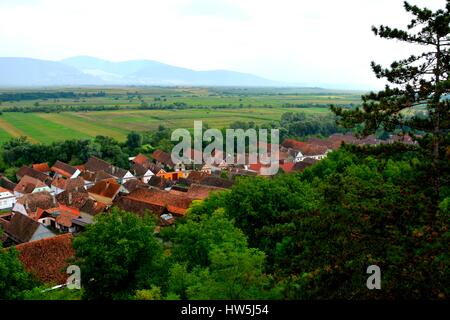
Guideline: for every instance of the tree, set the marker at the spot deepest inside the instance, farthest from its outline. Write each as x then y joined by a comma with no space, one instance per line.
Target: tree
420,80
234,274
118,255
194,240
14,280
134,140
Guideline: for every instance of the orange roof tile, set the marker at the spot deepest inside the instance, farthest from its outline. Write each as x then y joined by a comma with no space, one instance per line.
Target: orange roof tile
47,259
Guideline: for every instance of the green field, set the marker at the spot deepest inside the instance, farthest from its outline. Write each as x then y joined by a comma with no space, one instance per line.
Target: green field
218,107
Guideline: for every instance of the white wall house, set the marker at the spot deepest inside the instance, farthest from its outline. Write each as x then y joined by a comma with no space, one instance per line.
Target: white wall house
147,176
299,157
127,177
7,199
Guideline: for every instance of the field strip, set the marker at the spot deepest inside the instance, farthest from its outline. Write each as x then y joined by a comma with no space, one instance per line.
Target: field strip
85,125
13,131
42,130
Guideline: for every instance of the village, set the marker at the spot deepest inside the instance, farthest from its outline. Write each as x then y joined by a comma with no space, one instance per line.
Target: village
52,203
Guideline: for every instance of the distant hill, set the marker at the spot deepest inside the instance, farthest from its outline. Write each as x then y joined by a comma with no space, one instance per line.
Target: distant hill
148,72
34,72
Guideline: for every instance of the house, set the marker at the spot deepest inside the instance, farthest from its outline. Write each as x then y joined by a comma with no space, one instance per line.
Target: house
201,192
196,176
28,185
120,174
7,199
61,184
22,229
302,165
91,178
154,201
27,171
29,203
140,159
82,222
173,176
302,150
81,201
132,185
104,191
42,167
163,159
7,184
62,169
95,164
47,259
142,173
160,182
59,218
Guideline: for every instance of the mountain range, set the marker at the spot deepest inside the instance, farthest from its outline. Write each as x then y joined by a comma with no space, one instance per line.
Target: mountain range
84,70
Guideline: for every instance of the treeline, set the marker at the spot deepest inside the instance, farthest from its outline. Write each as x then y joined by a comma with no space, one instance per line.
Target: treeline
59,108
19,151
49,108
22,96
300,124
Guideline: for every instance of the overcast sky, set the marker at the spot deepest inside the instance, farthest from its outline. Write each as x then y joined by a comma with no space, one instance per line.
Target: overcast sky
310,42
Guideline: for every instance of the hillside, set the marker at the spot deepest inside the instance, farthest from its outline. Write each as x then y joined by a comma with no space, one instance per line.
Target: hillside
84,70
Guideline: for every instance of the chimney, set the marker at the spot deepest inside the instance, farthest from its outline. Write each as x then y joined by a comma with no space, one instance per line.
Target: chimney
70,198
27,206
54,200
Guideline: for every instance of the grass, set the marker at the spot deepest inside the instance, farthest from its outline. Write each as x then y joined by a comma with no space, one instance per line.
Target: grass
41,130
260,105
49,127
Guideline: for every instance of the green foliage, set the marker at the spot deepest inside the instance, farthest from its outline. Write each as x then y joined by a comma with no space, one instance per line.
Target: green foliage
232,275
19,151
42,293
14,280
321,229
134,140
194,240
149,294
119,254
300,124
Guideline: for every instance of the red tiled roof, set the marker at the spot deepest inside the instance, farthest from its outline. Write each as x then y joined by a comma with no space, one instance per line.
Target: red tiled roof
106,188
27,171
68,184
47,259
163,157
196,176
141,159
27,184
200,192
306,148
41,167
155,200
4,190
63,169
95,164
37,200
287,167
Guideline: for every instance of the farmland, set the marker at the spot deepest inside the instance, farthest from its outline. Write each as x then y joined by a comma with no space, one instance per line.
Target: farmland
143,109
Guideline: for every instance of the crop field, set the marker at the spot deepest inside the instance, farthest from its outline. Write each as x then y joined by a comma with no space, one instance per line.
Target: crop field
215,107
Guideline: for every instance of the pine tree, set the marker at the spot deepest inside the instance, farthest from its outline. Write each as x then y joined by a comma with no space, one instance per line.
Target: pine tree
420,82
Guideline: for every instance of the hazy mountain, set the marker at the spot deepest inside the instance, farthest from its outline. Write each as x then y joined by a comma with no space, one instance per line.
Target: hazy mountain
148,72
33,72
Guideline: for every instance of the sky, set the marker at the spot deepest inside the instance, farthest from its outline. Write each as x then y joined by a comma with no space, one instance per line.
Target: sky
306,42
